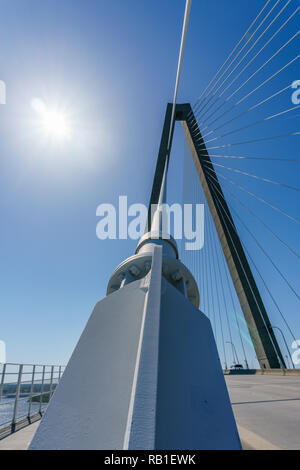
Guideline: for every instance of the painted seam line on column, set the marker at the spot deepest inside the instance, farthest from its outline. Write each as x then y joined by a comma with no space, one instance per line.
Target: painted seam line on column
157,259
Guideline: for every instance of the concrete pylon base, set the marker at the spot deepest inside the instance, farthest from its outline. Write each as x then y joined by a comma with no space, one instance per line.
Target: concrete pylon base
193,407
145,374
89,407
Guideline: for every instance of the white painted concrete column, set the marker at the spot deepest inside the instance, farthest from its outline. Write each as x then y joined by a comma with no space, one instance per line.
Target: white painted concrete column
141,425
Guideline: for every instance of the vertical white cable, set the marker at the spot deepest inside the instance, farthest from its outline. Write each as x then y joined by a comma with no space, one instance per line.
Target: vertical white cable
182,44
183,38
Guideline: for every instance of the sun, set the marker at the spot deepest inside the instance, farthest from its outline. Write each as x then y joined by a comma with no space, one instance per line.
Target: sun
52,122
55,124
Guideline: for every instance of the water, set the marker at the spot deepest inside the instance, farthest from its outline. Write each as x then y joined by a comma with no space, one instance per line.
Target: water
7,409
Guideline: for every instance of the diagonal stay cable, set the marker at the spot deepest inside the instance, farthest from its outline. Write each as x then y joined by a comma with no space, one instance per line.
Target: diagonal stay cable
241,114
265,180
240,157
266,254
234,310
270,97
270,293
224,299
201,271
208,124
232,52
268,79
225,101
253,45
253,75
259,69
272,297
266,44
245,274
212,243
259,219
196,125
266,63
206,283
238,54
211,283
253,124
210,271
262,139
242,188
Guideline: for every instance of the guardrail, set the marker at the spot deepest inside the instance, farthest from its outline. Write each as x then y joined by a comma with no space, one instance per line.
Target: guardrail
292,372
25,391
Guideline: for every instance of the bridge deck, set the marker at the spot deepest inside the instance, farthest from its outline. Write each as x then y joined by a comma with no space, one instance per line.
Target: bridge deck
267,410
21,439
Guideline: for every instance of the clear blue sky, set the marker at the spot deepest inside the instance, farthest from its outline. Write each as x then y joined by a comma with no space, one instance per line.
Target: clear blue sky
111,66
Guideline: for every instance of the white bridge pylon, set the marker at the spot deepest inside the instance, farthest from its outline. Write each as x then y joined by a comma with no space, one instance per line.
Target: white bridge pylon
145,373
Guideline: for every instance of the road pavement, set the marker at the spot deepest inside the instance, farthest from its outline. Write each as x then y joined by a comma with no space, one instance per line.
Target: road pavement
267,410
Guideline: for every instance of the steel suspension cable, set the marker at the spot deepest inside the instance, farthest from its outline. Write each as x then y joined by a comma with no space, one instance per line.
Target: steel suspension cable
239,115
179,65
270,293
227,100
211,283
232,52
253,124
249,50
234,310
265,45
268,79
263,139
261,222
225,301
235,105
212,242
265,180
265,63
265,284
239,157
206,283
256,197
238,54
266,254
245,274
182,44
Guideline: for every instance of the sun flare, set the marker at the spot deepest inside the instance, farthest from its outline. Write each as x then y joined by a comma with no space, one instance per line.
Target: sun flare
52,122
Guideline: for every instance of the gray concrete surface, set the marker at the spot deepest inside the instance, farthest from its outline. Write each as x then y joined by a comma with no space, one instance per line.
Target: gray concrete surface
267,410
20,440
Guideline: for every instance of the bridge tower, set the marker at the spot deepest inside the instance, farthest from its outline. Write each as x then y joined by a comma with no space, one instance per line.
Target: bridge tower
134,380
266,346
145,373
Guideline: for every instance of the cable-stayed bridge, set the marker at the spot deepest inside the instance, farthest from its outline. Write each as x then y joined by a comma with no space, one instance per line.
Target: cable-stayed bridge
240,130
241,160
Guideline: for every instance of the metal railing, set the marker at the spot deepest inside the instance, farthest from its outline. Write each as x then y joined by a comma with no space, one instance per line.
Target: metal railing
25,391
